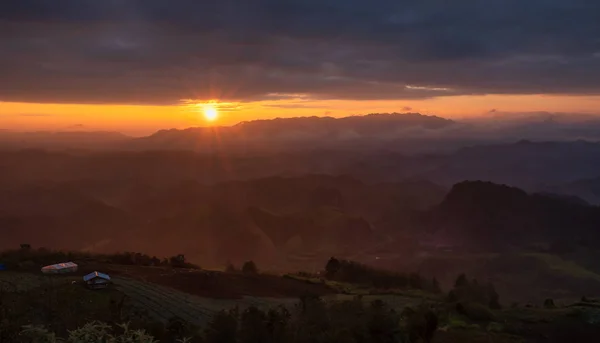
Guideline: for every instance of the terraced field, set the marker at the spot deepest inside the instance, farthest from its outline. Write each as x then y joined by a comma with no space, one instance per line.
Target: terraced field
164,303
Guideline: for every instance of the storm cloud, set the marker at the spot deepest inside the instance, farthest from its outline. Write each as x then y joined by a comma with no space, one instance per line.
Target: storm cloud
158,52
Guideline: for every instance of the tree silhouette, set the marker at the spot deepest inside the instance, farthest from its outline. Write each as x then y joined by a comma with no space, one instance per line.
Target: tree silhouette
249,267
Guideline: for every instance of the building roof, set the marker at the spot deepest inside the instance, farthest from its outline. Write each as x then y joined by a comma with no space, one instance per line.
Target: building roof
95,275
61,265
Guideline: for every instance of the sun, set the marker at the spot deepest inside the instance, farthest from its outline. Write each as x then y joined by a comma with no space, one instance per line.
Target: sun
210,112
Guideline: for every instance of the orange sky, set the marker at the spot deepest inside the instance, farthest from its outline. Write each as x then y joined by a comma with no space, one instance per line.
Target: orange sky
142,120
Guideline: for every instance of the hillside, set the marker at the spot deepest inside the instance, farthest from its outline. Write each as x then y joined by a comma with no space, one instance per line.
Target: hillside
488,217
171,303
214,223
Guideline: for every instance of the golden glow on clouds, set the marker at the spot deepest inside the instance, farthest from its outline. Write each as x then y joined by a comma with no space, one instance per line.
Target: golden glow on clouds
142,120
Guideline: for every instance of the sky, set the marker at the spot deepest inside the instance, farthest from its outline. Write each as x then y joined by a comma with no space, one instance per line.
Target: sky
137,66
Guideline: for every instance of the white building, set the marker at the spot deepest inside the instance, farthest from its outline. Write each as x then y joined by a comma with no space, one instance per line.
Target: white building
60,268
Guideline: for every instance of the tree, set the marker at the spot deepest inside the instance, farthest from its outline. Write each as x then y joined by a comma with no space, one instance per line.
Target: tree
230,268
461,281
177,261
155,261
332,267
249,267
493,296
435,286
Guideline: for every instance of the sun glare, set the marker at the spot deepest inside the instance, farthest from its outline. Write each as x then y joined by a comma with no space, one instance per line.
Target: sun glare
210,112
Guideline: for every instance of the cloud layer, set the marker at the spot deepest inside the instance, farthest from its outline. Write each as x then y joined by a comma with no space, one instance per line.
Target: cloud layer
156,51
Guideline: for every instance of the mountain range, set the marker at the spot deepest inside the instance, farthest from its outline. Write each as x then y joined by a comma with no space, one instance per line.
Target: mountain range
403,192
397,132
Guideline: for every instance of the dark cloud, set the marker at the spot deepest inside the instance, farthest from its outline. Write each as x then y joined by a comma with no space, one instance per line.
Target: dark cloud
155,51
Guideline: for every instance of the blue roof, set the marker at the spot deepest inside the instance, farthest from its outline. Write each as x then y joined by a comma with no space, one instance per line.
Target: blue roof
95,275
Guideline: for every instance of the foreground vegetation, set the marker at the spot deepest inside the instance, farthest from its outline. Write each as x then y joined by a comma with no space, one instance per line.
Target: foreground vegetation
311,320
396,307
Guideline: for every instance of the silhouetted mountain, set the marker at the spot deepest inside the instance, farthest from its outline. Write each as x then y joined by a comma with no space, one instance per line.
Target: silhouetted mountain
295,133
483,216
408,133
77,140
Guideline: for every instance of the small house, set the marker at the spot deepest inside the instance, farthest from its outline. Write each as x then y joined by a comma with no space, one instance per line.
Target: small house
96,280
60,268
